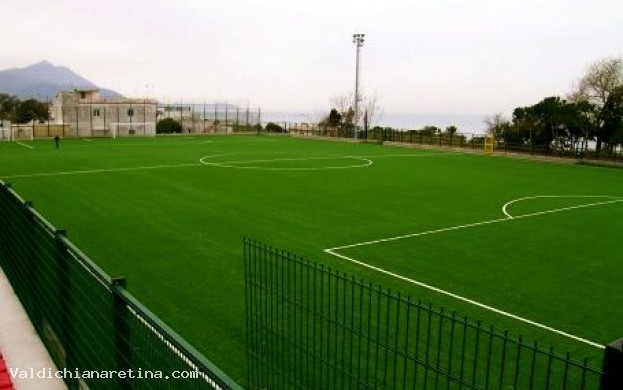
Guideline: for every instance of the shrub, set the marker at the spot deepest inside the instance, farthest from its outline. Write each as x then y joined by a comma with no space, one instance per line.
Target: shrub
168,126
274,128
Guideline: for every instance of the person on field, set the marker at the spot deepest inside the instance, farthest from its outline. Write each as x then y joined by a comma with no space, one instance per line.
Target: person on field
57,141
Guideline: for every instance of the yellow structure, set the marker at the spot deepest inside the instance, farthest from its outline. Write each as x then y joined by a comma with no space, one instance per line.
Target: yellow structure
489,144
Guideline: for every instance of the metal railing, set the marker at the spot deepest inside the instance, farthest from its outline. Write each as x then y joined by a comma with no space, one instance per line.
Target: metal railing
90,324
460,140
313,327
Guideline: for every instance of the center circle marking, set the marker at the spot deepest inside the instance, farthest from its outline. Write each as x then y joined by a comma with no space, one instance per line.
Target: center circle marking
363,163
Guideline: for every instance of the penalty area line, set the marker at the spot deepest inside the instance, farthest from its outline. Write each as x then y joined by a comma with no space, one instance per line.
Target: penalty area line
412,235
507,218
467,300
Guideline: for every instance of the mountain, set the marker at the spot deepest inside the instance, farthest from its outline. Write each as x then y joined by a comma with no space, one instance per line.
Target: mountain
44,80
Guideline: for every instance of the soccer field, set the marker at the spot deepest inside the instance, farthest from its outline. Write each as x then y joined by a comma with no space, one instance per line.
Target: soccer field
532,247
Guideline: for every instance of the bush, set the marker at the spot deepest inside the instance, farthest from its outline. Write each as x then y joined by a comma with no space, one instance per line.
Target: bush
274,128
168,126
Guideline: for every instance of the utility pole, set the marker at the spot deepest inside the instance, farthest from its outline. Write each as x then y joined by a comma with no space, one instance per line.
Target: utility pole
358,41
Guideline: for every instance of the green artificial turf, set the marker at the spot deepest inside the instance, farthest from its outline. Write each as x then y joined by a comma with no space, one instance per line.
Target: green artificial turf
170,213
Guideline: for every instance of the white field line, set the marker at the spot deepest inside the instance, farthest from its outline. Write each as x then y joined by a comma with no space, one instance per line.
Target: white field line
367,161
328,157
290,159
412,155
158,144
96,144
508,215
332,251
85,172
233,164
166,144
25,145
467,300
508,218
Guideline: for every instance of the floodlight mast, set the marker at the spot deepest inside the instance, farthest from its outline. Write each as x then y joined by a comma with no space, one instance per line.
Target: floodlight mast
358,41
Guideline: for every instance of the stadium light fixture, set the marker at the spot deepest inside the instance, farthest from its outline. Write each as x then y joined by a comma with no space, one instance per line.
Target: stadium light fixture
358,41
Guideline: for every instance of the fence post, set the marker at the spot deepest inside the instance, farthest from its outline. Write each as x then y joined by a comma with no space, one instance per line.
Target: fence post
65,297
612,377
122,331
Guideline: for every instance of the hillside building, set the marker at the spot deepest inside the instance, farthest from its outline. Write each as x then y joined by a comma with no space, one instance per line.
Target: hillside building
84,113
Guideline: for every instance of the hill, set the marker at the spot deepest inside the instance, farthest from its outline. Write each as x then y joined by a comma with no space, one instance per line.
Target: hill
44,80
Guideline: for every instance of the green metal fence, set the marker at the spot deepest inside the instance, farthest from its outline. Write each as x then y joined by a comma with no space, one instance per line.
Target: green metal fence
504,143
312,327
88,321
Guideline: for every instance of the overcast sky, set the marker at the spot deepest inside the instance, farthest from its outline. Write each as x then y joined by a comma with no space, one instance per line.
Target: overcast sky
433,56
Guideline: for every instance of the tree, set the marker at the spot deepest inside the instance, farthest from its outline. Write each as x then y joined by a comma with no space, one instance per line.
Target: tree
582,123
451,130
525,125
551,120
372,112
343,105
30,110
496,125
429,131
551,115
600,81
334,118
168,126
612,117
369,110
273,128
8,105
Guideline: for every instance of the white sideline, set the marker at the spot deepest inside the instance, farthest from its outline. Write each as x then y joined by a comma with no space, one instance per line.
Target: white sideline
99,171
162,144
332,251
365,159
413,155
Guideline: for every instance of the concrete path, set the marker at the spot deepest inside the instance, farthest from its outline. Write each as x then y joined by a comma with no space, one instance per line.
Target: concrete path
20,345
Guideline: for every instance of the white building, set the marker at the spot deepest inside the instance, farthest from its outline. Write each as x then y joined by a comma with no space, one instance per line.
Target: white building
84,113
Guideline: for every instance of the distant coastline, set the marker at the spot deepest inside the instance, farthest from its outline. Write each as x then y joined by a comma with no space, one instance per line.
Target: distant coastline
466,123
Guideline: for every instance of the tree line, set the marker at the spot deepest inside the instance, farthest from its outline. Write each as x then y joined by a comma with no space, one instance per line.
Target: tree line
590,117
20,111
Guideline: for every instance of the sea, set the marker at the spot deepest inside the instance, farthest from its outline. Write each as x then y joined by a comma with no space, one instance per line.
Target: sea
465,123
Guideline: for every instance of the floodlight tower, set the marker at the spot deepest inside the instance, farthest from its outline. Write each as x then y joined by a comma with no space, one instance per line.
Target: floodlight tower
358,41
